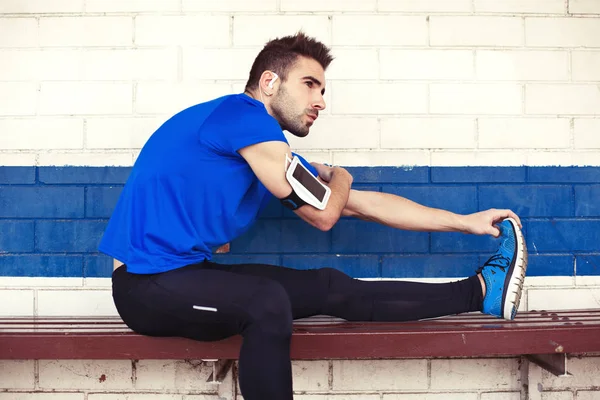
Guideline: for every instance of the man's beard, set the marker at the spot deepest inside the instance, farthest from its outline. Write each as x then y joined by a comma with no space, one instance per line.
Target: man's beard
283,108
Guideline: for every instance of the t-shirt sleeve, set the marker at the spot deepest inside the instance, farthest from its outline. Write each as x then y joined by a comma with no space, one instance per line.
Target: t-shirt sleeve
255,129
306,164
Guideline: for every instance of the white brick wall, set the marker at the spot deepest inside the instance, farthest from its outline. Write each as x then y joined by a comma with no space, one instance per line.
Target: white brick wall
500,61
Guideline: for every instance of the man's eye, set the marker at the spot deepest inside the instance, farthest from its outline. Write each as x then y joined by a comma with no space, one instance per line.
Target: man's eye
309,84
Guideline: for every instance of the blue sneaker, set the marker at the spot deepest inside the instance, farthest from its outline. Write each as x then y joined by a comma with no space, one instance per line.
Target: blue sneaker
504,273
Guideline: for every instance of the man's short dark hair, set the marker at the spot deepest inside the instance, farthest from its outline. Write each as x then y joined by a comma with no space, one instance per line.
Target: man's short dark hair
279,55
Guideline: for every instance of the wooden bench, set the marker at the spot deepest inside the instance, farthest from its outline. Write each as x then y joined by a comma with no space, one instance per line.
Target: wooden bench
544,337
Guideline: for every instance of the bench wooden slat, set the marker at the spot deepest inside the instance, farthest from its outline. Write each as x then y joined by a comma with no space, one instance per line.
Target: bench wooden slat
321,337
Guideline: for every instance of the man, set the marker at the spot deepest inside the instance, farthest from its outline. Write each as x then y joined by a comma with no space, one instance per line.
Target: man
202,179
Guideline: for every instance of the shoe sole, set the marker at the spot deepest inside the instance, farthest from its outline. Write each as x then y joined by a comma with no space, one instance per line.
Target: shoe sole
513,287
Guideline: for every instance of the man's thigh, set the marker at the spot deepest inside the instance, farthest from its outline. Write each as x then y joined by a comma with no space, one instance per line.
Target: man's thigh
307,289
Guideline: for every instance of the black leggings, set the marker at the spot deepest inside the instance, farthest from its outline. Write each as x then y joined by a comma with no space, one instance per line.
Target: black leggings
210,301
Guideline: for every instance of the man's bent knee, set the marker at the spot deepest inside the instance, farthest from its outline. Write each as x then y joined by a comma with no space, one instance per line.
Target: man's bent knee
270,310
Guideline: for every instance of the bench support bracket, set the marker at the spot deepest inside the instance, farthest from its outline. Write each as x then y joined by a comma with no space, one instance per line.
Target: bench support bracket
220,370
553,363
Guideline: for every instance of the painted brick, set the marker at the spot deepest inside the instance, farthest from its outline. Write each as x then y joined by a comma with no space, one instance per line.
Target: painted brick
356,266
200,63
142,396
354,64
562,32
17,175
476,31
256,30
353,236
379,30
588,264
97,175
438,133
17,236
374,375
38,65
459,199
340,133
435,6
86,31
68,236
85,374
101,201
210,31
478,174
229,5
585,373
21,305
263,237
519,133
167,374
138,64
20,374
563,235
557,396
41,396
41,6
100,266
168,98
587,395
384,98
38,265
584,7
429,266
408,160
22,99
132,6
85,158
586,133
563,174
454,242
426,64
530,200
41,133
310,375
18,159
361,396
19,32
501,396
521,6
76,303
297,236
550,265
247,259
119,133
563,299
585,65
519,65
562,99
432,396
390,175
331,5
491,374
85,98
586,201
42,202
475,98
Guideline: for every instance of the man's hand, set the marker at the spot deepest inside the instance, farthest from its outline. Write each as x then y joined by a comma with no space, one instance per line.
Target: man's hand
483,222
325,172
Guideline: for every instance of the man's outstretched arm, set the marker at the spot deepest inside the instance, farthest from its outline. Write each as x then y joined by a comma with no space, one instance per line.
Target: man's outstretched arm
399,212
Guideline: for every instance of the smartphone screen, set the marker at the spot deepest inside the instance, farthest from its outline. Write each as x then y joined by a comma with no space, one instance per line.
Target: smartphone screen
309,181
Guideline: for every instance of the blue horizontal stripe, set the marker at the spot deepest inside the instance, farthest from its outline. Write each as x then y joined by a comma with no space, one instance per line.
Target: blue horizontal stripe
52,218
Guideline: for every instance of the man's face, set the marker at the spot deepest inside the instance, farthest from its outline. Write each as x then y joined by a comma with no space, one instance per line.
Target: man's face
297,102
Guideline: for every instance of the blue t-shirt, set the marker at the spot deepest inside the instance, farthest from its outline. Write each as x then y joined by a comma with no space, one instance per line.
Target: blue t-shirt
190,190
